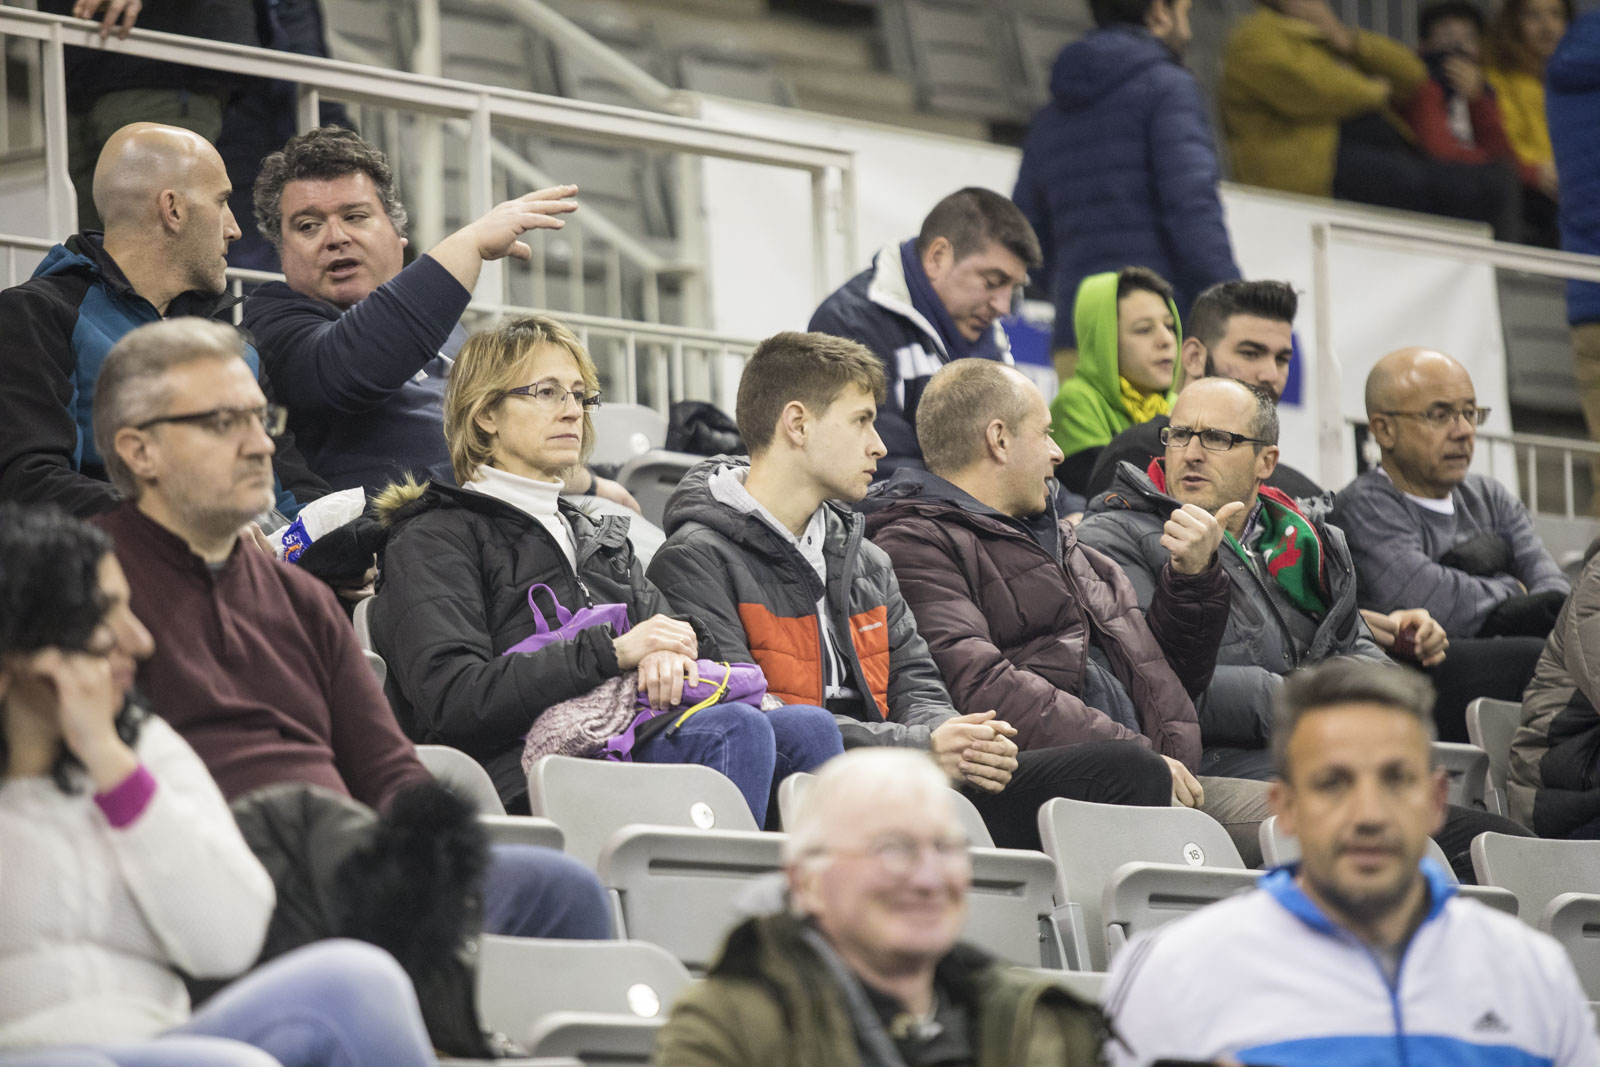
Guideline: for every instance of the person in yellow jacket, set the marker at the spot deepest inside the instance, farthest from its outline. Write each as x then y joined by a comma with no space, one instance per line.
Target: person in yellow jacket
1291,74
1522,38
1310,105
1128,340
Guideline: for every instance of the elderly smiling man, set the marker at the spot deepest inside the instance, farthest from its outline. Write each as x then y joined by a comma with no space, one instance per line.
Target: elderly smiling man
865,968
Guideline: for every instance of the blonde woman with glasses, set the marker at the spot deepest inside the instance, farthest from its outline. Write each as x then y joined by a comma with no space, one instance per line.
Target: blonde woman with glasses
454,591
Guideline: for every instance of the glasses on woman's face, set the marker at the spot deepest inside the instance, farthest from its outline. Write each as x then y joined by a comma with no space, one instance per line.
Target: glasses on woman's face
551,397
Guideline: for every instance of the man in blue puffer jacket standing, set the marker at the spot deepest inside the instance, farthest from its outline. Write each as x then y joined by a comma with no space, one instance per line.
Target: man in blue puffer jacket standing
1120,168
1572,104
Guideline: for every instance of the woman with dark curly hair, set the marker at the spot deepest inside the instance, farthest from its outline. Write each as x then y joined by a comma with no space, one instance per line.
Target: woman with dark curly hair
121,865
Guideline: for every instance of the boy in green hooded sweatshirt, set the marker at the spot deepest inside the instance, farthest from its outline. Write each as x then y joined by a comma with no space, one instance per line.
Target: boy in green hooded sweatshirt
1128,338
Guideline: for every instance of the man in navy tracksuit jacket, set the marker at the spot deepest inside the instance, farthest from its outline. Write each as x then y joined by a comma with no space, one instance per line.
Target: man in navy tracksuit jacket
1120,168
1361,953
1572,103
930,299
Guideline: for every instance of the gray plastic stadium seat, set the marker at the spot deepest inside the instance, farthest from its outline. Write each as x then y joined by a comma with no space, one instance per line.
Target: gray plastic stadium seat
361,619
1468,768
380,669
1492,724
679,888
1039,40
1010,910
376,27
1574,920
957,65
592,799
463,773
1090,841
792,791
623,431
1534,869
587,999
1278,848
1143,896
596,1040
653,476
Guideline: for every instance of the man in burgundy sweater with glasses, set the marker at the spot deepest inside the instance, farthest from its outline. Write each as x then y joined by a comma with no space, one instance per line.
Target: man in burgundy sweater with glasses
255,664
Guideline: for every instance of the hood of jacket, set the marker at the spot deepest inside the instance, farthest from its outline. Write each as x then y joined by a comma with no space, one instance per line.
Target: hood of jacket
1090,68
84,253
1094,317
694,501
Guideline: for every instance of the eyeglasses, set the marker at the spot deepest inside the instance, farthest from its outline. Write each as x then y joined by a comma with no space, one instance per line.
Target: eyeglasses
1439,418
1210,440
228,422
898,855
553,398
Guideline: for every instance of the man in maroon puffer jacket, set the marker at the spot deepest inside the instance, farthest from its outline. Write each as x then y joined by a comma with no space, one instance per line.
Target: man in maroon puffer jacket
1022,618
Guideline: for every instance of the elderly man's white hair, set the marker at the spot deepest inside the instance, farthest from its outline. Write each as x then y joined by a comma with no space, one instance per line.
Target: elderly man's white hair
865,776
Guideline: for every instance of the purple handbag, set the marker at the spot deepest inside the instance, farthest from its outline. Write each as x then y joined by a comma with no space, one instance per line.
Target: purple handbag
608,721
570,622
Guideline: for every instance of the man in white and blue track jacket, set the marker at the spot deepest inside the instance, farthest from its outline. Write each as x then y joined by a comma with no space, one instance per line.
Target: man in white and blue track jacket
1361,955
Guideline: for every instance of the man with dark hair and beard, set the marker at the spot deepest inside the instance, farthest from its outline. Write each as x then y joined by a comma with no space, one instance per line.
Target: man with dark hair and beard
1242,330
1307,968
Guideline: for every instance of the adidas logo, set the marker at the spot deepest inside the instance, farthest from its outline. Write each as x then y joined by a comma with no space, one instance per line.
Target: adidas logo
1490,1023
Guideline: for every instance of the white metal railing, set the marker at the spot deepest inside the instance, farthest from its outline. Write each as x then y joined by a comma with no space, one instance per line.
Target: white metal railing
1393,235
640,363
830,169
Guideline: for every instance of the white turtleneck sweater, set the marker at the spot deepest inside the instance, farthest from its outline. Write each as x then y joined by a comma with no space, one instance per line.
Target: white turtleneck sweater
536,498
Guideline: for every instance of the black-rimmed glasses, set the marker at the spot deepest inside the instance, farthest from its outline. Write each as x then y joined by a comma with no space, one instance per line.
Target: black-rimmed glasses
226,422
1210,440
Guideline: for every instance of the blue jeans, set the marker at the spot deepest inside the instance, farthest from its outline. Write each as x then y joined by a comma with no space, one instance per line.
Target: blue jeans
539,892
757,749
330,1004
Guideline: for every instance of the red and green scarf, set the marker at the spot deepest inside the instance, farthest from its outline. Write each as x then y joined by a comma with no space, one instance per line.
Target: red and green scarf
1289,544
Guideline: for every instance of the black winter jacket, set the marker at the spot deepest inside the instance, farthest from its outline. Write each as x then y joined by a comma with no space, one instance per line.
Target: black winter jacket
453,596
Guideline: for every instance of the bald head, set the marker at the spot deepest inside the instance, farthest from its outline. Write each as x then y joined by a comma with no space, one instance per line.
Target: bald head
163,194
1423,412
1400,375
141,160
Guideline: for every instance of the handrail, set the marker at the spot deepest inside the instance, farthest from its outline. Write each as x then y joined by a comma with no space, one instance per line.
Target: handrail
357,83
1398,236
482,106
1533,444
670,351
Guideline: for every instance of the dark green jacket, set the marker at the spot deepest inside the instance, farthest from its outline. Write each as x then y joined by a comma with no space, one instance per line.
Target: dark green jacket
772,1001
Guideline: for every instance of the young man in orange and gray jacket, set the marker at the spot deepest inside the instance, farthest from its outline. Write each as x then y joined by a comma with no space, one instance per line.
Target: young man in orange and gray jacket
769,556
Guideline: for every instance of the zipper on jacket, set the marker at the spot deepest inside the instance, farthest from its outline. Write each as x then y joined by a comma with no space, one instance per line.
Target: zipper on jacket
1272,605
1393,989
